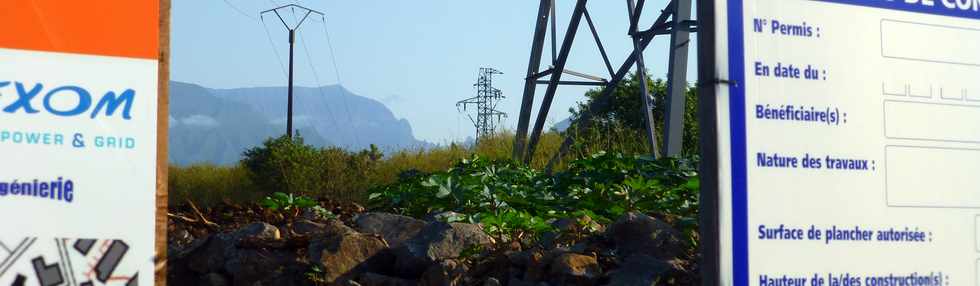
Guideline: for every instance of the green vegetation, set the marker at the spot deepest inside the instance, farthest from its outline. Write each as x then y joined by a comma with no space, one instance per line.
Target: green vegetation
601,177
291,166
207,185
284,201
623,113
605,175
516,202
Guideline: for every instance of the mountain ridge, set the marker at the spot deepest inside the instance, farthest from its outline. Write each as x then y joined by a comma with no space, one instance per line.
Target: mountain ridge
216,125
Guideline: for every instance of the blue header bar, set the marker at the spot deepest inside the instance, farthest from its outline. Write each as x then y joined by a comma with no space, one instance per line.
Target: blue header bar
969,9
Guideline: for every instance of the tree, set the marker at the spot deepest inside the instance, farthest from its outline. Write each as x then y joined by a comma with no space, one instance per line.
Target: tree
625,111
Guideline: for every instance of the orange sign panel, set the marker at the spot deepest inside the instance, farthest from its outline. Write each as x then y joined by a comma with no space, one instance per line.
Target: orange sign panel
96,27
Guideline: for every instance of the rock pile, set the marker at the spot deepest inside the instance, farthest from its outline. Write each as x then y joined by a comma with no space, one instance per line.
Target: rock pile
381,249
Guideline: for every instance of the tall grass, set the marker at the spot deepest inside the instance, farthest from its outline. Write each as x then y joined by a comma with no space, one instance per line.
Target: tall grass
207,184
347,176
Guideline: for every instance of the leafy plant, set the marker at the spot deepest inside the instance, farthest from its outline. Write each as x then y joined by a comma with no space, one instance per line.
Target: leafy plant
323,213
515,203
317,276
513,225
283,201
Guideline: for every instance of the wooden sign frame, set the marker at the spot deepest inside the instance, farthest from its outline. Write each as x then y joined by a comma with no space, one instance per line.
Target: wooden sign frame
162,166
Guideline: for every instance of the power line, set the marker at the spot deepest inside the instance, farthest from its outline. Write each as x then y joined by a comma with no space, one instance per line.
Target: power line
273,46
333,56
233,7
261,21
340,82
293,10
319,87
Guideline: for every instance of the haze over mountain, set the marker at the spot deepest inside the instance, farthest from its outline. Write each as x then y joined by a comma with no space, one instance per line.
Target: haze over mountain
217,125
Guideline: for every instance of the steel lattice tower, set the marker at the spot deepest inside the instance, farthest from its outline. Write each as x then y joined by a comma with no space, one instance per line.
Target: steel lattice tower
487,116
674,20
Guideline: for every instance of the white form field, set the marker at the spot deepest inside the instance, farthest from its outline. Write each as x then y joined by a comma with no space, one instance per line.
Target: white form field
933,114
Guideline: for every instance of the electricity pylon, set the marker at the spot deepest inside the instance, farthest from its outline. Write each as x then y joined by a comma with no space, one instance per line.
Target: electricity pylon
487,116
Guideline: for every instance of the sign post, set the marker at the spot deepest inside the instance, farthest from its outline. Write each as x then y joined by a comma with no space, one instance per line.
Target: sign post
163,128
83,121
848,141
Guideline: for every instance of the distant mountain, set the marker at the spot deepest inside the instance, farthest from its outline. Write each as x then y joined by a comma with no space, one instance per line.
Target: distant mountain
217,125
563,125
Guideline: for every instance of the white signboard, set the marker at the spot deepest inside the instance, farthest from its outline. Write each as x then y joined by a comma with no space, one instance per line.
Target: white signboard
78,142
849,142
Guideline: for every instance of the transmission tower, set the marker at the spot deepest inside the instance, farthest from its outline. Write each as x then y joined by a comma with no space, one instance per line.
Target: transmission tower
487,116
674,20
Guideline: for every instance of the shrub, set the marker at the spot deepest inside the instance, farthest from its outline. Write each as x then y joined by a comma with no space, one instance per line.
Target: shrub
344,175
284,165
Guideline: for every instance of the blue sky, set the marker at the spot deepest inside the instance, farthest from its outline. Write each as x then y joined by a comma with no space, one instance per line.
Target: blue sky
418,57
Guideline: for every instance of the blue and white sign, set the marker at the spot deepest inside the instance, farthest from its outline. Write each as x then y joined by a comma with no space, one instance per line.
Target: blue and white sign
849,142
80,117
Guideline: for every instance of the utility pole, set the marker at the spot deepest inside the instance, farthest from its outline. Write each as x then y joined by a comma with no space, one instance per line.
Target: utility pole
486,99
292,43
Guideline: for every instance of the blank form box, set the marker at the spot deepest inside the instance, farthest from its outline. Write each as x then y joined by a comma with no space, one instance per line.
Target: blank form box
932,121
920,90
894,88
931,177
951,93
972,93
976,232
903,40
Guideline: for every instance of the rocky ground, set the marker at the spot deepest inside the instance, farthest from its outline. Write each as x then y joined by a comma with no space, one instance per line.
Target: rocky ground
249,245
